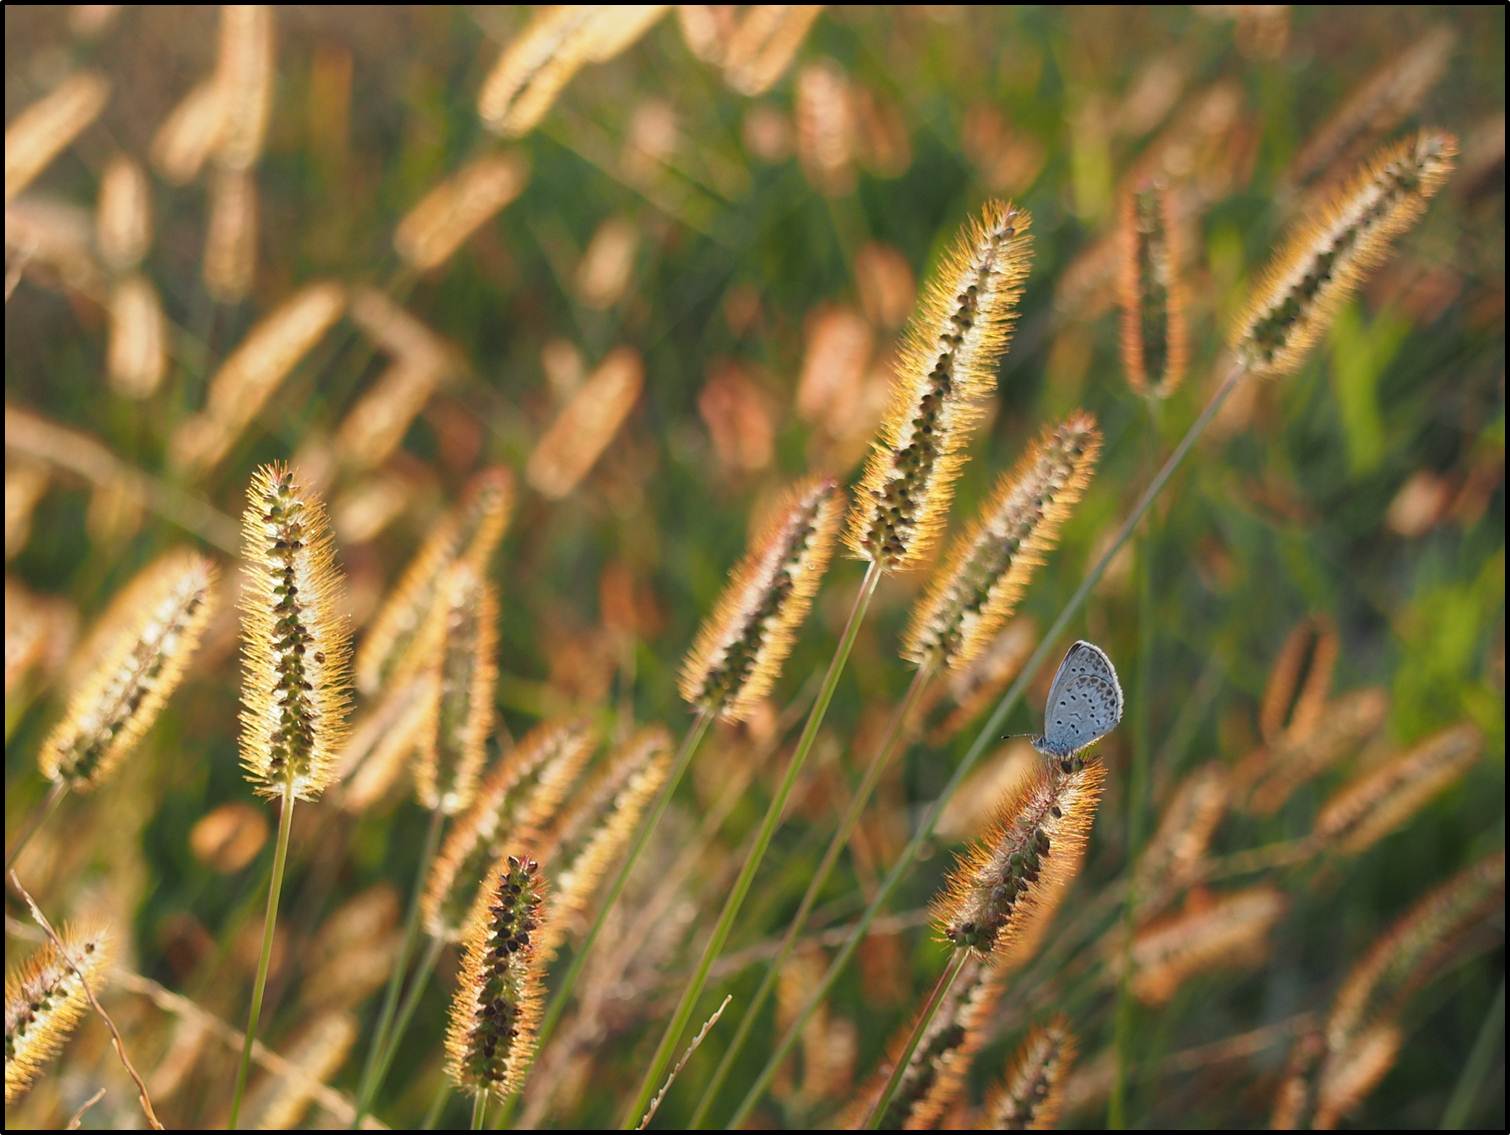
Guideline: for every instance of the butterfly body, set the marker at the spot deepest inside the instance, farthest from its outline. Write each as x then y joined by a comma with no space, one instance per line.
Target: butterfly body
1084,705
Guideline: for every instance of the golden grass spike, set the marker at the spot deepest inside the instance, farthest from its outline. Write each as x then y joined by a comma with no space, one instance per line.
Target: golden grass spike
144,643
1326,257
248,379
44,1000
354,951
617,27
491,1039
1270,776
741,646
25,484
394,647
946,369
245,73
593,835
826,134
587,424
190,133
607,265
764,43
296,646
1300,680
279,1103
230,247
1381,799
228,838
1410,953
375,426
1031,1096
48,126
989,565
535,67
136,358
1154,340
1190,819
515,804
1017,873
445,217
1349,1076
465,671
978,685
124,216
377,751
1226,931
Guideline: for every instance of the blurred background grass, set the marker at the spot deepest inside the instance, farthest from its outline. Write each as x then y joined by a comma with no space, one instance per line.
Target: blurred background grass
1368,488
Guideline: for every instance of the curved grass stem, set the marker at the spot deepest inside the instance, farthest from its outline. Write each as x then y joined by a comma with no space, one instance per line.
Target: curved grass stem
684,1009
269,923
989,730
49,806
904,1058
878,765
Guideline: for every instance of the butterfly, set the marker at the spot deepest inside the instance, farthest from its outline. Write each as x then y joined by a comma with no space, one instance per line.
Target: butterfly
1085,702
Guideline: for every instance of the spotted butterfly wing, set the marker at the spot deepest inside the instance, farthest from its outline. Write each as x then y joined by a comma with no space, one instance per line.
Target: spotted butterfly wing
1084,704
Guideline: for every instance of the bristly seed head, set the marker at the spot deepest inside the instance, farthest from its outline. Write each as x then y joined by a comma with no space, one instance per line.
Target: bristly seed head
990,564
496,1009
741,646
1029,1099
146,640
44,1000
1152,293
296,646
465,671
1017,873
946,369
1327,257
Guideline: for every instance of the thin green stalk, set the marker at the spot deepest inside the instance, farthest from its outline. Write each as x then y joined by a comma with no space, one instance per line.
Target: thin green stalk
49,806
557,1006
479,1110
269,923
417,986
1137,790
878,765
372,1078
904,1058
684,1010
1491,1035
438,1105
990,730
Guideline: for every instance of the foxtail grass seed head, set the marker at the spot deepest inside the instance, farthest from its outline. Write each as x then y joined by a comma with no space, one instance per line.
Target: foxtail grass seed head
1032,1095
763,44
44,1000
376,753
826,132
1154,341
395,644
595,834
143,645
1348,1077
491,1039
741,646
465,672
989,565
230,248
1018,871
534,68
1271,775
1228,931
947,368
587,424
434,229
48,126
1329,253
124,217
190,133
1189,821
515,804
1370,807
315,1055
296,646
1300,681
246,77
136,358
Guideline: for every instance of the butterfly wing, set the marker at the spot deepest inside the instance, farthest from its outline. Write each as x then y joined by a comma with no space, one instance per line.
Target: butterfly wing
1088,708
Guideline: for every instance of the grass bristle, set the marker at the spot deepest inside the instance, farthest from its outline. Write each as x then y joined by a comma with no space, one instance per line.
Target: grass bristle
990,564
1017,873
1032,1095
741,646
491,1039
44,1000
141,649
946,369
1329,253
465,670
1154,339
296,646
